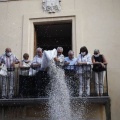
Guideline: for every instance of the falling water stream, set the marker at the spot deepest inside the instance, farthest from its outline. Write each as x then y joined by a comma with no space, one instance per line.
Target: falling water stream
59,99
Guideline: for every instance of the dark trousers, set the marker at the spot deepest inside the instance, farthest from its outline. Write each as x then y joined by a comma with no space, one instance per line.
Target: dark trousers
34,86
26,86
42,82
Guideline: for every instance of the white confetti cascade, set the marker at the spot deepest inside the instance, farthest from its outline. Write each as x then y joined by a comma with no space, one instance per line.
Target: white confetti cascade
59,99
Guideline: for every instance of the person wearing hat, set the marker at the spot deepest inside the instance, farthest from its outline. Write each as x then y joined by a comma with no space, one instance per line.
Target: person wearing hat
99,68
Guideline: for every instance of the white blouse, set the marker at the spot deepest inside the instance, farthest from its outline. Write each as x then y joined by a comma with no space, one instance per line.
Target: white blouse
87,59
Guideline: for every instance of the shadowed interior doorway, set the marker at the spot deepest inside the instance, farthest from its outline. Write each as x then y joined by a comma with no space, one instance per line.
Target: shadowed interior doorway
52,35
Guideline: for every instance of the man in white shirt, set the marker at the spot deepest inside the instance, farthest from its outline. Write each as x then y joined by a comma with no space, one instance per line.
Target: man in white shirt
9,59
36,62
36,70
60,57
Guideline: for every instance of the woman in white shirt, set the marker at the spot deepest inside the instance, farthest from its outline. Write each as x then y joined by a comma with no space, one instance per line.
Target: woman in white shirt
84,70
25,65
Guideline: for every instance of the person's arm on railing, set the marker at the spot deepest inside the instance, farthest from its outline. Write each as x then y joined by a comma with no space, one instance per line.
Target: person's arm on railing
35,65
96,62
88,61
22,66
66,63
56,59
1,61
78,62
15,61
81,63
13,64
104,60
59,60
36,62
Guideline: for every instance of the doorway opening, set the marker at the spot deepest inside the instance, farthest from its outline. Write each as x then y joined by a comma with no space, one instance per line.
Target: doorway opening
52,35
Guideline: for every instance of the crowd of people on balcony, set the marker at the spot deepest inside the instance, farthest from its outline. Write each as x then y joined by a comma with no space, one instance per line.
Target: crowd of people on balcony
84,59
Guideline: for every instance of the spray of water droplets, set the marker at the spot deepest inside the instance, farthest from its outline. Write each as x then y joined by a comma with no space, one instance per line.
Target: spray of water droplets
59,99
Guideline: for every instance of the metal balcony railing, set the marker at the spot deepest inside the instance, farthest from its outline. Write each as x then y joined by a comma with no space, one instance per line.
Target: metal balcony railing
37,85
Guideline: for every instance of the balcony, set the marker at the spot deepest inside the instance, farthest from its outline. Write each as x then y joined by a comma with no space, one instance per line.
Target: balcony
32,90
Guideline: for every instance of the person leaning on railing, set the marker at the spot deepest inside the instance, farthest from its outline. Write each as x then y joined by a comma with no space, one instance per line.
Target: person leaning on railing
60,57
84,71
70,60
9,60
25,65
70,71
36,62
99,68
